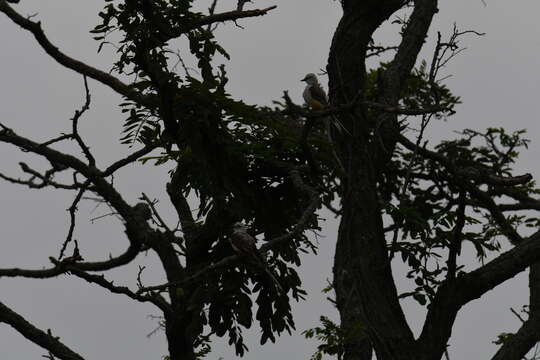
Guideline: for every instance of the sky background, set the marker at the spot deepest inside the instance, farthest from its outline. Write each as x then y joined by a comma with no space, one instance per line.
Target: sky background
496,77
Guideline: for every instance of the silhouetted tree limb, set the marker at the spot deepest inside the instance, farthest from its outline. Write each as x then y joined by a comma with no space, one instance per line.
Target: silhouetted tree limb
44,339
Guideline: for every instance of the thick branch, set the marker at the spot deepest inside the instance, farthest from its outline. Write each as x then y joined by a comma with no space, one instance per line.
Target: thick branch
519,344
181,205
37,336
411,43
452,295
393,79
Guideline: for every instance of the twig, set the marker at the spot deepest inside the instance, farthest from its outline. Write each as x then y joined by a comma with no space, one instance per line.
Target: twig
455,241
112,263
73,64
72,210
75,123
227,16
241,3
151,203
517,315
128,160
109,285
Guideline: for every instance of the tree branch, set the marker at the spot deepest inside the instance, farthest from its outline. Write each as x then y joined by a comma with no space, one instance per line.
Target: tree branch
451,296
72,210
519,344
478,175
136,230
37,336
181,205
228,16
297,229
123,259
109,285
75,125
129,159
73,64
393,79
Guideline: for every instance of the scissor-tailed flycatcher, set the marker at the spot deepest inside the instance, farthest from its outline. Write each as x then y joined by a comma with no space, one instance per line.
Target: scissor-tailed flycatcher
245,245
316,98
314,94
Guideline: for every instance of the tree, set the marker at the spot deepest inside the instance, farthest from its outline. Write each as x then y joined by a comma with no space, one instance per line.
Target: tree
273,169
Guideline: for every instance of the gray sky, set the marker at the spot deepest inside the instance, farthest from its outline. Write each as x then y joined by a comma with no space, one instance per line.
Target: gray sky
496,78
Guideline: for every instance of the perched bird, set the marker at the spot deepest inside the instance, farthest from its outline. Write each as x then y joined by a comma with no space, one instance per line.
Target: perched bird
245,245
315,97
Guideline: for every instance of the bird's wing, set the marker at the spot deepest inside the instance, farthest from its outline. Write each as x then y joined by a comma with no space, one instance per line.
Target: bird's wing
317,93
315,97
243,243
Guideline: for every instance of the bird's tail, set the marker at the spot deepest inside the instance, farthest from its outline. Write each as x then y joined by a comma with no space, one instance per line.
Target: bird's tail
264,264
274,279
339,126
327,122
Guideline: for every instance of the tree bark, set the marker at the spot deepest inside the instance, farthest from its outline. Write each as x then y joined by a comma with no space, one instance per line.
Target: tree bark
366,294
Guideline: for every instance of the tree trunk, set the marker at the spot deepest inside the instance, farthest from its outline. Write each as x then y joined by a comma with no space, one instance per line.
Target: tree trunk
366,295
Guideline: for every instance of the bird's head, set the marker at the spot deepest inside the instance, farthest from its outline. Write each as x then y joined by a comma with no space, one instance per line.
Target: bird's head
310,78
238,226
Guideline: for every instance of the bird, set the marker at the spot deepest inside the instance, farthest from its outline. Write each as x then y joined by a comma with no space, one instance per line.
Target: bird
314,94
244,245
315,97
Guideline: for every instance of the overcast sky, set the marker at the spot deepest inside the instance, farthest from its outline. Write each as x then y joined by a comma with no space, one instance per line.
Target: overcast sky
496,77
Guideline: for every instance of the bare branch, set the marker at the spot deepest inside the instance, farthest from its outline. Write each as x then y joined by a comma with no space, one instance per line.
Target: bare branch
375,50
70,63
101,186
75,123
45,181
129,159
109,285
72,210
123,259
151,204
228,16
57,139
35,335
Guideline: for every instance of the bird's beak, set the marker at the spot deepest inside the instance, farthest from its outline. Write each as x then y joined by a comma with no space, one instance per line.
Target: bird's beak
304,79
